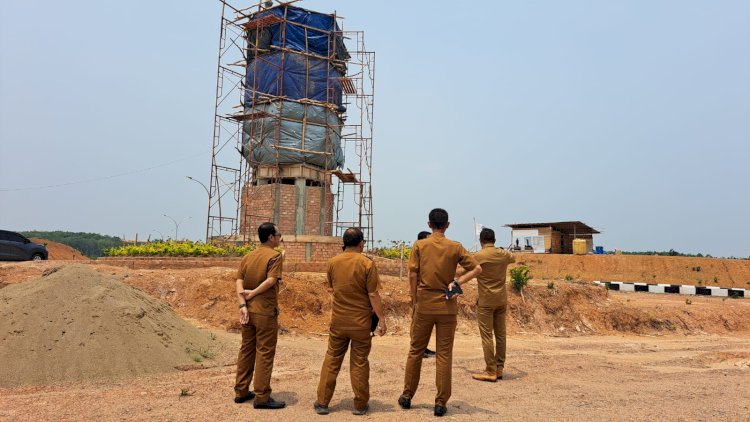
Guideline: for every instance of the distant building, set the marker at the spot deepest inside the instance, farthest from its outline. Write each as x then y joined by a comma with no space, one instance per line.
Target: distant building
550,237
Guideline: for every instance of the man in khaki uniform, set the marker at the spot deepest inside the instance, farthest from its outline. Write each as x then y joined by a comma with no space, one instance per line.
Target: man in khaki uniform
432,266
257,292
427,352
355,283
492,304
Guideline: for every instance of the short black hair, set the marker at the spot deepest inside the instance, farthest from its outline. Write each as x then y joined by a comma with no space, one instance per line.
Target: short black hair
353,236
265,230
423,235
439,218
487,236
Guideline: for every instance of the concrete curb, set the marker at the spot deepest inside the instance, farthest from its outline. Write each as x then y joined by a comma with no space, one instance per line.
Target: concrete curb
674,288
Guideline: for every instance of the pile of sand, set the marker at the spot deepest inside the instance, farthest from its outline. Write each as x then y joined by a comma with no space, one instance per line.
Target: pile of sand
77,324
60,251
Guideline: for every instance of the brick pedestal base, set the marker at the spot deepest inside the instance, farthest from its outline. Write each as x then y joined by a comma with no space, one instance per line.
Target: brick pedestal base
311,248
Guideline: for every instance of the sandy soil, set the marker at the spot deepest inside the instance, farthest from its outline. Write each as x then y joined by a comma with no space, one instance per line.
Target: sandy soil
580,378
77,324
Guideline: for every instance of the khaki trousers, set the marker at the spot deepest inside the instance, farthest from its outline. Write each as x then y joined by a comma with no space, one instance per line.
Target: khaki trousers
421,330
359,366
257,351
492,326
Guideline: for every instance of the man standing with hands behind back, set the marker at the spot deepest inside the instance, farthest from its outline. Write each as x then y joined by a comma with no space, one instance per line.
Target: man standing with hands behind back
355,283
432,267
257,292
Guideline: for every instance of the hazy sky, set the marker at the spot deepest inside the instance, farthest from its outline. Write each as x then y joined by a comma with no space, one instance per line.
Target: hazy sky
633,117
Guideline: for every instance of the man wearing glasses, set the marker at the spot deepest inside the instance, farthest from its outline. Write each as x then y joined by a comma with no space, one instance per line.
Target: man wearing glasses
257,293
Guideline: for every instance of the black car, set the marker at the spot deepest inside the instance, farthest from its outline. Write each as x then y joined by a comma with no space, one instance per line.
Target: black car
14,247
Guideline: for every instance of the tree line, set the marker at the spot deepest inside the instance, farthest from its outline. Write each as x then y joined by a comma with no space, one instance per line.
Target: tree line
90,244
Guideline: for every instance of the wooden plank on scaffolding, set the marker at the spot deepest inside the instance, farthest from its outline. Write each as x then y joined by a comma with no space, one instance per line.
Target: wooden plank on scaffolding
262,22
347,85
345,177
250,116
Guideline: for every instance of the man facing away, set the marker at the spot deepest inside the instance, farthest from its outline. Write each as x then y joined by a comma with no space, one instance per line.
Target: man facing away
432,266
492,304
257,292
355,283
427,352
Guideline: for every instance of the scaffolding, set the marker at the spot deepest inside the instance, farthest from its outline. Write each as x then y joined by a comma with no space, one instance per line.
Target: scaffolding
253,117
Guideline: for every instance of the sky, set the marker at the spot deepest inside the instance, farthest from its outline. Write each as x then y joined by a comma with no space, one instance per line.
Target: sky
633,117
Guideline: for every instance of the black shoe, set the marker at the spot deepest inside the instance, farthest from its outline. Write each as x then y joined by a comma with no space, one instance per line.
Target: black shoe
404,402
270,404
320,409
361,412
428,353
244,398
440,410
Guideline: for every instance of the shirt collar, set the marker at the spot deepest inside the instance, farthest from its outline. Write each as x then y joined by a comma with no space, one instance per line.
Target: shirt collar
438,235
489,245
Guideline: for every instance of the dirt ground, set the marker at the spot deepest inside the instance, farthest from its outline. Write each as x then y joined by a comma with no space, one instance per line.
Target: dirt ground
701,377
575,351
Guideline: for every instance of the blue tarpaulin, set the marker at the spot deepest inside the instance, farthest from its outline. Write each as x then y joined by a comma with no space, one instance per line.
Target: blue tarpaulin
282,63
296,78
317,36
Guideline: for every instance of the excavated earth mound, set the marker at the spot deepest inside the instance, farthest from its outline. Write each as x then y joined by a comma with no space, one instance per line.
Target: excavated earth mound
75,324
562,308
60,251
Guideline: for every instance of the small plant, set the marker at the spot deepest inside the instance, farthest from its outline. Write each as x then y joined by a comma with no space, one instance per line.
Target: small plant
212,336
206,353
185,392
198,355
697,269
716,279
519,277
568,277
688,301
551,285
700,281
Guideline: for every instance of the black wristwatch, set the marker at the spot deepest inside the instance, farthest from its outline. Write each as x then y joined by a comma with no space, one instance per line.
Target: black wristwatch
244,305
455,280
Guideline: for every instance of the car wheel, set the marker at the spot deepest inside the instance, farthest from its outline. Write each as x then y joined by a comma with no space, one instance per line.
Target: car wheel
37,257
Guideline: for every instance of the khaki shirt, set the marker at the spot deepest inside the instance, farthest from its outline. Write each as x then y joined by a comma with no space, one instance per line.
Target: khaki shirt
255,268
352,276
494,262
434,259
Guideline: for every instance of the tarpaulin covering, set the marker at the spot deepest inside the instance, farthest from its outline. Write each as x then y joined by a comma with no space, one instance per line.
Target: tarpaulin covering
293,76
317,36
303,127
